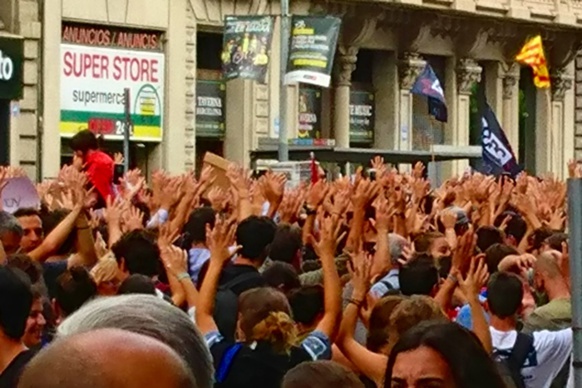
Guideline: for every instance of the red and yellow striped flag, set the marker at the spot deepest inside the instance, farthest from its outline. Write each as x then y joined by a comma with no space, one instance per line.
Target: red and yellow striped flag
532,54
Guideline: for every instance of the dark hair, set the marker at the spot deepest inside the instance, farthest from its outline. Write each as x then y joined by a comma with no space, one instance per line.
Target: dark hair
539,236
423,242
419,276
50,221
487,236
555,241
379,324
255,235
30,267
15,301
84,141
504,294
469,363
26,212
139,252
306,303
286,243
137,284
321,374
516,226
497,252
282,276
195,229
74,287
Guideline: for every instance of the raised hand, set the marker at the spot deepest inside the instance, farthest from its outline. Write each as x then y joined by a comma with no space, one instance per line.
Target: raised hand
220,238
273,186
326,246
133,219
316,194
218,198
477,276
168,234
449,219
118,158
239,178
360,271
175,260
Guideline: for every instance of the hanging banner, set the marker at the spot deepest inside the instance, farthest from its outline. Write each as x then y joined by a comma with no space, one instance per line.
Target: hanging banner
210,104
361,116
246,47
312,49
309,112
11,67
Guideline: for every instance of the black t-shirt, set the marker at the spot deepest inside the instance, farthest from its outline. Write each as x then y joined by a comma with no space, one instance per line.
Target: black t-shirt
52,270
257,365
232,271
9,378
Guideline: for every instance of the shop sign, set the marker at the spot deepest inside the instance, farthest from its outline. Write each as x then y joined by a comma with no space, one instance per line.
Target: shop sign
361,116
93,80
309,113
11,64
246,48
111,37
210,108
312,49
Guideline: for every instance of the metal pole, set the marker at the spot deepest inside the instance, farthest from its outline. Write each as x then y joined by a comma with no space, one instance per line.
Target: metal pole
283,141
126,130
575,248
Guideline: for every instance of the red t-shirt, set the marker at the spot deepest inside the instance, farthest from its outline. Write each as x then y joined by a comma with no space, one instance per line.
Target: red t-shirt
100,172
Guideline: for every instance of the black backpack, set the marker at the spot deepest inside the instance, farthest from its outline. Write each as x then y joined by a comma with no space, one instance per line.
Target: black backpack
510,367
226,305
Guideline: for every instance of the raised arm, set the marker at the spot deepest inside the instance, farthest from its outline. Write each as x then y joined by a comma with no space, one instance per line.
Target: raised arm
325,249
219,240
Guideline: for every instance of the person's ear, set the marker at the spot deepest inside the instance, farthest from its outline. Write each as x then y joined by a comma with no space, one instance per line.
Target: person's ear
486,306
58,311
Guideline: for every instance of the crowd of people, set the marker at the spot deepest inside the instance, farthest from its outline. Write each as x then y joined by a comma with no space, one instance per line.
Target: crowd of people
177,281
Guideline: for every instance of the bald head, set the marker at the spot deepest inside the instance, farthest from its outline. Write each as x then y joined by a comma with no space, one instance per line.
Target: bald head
107,358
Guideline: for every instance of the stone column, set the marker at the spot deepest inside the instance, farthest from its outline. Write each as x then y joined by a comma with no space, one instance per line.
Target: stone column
561,82
385,79
409,68
510,118
345,64
468,73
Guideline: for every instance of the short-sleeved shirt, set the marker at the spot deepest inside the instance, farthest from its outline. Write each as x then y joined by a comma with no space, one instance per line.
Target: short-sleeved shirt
550,352
11,375
257,365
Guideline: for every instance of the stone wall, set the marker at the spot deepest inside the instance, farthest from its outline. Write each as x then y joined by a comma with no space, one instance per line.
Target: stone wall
578,109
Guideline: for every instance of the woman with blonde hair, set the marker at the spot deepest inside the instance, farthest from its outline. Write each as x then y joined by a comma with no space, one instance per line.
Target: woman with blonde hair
106,276
267,335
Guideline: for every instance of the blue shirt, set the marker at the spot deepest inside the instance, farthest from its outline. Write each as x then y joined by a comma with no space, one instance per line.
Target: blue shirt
387,283
196,259
465,317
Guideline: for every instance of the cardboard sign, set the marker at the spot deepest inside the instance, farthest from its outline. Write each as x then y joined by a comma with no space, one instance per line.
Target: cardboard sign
19,193
220,166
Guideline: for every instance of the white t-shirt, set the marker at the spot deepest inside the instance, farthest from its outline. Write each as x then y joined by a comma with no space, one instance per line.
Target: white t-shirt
551,350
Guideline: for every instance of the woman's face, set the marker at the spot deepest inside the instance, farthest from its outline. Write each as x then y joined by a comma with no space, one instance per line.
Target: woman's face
108,288
34,325
421,368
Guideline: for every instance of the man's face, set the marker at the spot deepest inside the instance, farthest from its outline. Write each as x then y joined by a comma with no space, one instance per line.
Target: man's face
10,242
440,248
34,325
33,234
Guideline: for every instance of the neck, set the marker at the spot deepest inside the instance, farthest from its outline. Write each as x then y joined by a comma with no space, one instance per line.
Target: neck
503,324
557,290
9,349
244,261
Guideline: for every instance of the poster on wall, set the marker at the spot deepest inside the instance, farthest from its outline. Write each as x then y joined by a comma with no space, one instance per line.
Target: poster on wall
246,48
312,49
210,108
361,116
309,112
97,64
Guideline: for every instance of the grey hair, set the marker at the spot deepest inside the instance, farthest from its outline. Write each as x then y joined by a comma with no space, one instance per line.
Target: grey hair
9,223
397,243
150,316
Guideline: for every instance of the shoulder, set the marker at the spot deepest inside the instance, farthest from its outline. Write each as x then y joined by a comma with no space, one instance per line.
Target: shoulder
317,345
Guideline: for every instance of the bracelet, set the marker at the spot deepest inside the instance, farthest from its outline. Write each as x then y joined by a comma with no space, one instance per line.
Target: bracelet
452,278
182,276
357,303
309,210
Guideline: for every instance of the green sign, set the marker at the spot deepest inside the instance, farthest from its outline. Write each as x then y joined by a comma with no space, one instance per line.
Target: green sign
210,108
11,67
361,116
309,112
311,49
246,47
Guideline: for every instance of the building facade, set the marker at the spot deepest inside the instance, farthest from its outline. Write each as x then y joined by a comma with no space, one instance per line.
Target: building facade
80,55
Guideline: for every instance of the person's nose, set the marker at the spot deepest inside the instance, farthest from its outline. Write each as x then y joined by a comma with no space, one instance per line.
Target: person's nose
40,320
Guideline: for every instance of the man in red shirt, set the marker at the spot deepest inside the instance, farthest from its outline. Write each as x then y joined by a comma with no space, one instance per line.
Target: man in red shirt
98,165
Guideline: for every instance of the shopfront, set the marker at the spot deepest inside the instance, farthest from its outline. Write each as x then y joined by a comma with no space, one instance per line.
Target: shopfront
97,64
11,60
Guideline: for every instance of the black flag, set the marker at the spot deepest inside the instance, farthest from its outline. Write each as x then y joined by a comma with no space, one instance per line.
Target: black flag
498,157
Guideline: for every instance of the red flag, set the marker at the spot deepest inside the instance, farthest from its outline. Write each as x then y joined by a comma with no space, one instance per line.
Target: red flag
314,169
